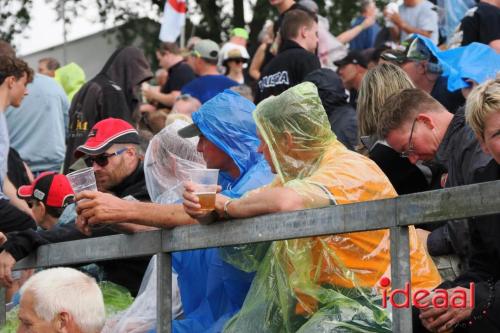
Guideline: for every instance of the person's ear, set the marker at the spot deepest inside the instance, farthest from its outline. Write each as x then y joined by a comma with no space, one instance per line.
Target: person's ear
42,208
62,322
303,31
10,80
426,120
421,67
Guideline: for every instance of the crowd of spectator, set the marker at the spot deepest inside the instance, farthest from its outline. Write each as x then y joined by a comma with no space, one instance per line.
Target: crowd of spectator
303,120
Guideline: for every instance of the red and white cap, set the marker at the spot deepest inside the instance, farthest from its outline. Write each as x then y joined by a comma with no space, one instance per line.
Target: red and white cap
51,188
106,133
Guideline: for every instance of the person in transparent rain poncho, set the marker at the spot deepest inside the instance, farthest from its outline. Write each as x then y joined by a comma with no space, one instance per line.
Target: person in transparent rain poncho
316,284
167,163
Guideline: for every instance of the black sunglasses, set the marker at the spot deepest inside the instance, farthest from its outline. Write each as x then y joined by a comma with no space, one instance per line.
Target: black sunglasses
238,60
102,160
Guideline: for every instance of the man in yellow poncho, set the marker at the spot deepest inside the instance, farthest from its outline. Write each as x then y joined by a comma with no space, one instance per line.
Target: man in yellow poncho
318,284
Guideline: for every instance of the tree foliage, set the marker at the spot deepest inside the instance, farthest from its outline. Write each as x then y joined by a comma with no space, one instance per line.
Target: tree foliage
215,18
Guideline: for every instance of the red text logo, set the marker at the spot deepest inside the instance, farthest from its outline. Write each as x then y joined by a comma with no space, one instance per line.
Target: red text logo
422,298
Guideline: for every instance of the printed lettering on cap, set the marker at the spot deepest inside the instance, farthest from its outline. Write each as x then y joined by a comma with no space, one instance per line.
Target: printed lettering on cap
38,194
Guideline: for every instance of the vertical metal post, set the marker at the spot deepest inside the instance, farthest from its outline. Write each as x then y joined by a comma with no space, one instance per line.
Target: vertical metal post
401,276
3,312
164,293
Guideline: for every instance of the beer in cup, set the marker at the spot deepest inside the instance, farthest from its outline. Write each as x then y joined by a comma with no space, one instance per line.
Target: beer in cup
205,186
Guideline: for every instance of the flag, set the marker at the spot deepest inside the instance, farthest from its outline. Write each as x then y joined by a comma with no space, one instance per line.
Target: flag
174,18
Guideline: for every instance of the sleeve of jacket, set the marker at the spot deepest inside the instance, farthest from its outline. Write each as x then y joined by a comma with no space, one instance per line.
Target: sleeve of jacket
22,243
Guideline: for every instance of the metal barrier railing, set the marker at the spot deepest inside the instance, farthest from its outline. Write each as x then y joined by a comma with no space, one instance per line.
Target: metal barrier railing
396,214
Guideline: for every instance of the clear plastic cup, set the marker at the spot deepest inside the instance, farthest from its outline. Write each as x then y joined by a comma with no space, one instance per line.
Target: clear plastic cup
205,184
82,180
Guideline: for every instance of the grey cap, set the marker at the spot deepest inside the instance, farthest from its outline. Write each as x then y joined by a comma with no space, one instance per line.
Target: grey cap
207,49
189,131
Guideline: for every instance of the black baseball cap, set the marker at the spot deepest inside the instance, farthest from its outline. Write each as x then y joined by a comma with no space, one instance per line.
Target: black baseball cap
353,57
414,50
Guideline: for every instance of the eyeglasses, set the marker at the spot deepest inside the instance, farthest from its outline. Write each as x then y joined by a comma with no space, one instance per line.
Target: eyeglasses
411,149
102,160
238,61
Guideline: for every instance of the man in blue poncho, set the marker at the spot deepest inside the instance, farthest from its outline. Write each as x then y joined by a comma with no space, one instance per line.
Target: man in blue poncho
212,290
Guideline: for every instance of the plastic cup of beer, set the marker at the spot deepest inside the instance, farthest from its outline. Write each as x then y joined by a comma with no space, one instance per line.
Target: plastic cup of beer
205,186
82,180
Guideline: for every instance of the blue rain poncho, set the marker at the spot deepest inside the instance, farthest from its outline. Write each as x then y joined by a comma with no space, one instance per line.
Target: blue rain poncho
212,291
476,61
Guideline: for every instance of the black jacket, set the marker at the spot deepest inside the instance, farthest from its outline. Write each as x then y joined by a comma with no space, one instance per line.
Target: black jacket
484,266
461,155
125,272
286,70
112,93
341,115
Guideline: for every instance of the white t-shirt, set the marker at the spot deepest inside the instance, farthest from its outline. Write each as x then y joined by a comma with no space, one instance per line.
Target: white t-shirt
423,16
4,151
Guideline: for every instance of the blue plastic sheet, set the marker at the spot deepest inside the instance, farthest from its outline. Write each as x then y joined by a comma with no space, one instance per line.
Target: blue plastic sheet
212,291
475,61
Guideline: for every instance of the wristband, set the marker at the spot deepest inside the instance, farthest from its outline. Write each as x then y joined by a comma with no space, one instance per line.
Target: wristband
226,204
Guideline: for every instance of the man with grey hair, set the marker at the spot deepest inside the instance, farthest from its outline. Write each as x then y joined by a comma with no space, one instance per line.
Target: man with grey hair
61,300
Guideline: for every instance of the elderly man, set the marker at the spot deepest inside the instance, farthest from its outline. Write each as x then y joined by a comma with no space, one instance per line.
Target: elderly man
420,128
423,68
313,170
61,300
112,150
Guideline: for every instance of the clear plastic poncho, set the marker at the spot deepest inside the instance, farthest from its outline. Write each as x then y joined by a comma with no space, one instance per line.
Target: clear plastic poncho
327,283
167,163
168,160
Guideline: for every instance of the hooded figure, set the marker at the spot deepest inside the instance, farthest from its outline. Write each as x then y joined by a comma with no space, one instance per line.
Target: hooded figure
341,115
212,291
327,283
112,93
71,77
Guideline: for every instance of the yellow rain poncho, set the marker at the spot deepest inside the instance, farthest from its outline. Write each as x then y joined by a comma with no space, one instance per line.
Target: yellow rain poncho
71,77
327,283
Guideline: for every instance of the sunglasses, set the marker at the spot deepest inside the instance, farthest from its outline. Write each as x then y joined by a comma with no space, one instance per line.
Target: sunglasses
238,61
102,160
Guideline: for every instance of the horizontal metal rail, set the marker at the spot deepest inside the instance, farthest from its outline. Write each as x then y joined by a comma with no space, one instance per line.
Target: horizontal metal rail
396,214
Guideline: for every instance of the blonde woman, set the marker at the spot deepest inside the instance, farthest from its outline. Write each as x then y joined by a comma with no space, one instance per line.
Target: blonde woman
378,84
